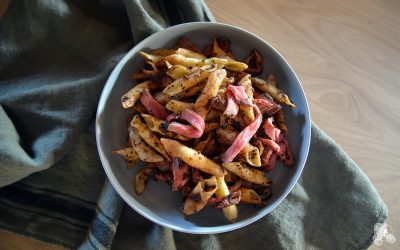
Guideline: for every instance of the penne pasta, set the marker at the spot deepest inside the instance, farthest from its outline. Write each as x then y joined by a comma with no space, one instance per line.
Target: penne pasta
230,212
195,90
138,107
247,111
236,66
279,116
189,81
155,124
195,62
276,93
250,196
163,52
199,196
134,94
128,153
189,53
157,60
148,136
210,91
280,119
140,181
161,98
247,173
144,151
142,177
161,127
192,157
251,155
177,71
178,106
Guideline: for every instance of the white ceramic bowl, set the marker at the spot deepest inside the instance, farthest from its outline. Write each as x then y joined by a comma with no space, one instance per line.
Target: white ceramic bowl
158,203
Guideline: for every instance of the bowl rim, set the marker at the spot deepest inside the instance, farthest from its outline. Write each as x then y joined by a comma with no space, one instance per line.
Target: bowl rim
125,195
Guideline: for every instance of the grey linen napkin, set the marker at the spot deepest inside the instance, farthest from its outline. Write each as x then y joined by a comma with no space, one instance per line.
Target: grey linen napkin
55,57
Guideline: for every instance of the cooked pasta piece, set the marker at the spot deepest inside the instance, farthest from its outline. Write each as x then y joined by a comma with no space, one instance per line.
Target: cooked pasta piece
279,116
189,81
159,61
280,119
194,62
131,97
210,91
189,53
231,64
193,91
142,177
161,127
236,66
138,107
231,211
199,196
276,93
144,151
128,153
161,98
177,71
250,196
178,106
163,52
148,136
247,173
245,110
192,157
140,181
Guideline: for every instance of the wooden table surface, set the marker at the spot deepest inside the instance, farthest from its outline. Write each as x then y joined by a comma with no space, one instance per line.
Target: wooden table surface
347,56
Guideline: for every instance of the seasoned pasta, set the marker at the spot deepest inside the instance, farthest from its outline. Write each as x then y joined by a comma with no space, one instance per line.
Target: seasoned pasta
201,127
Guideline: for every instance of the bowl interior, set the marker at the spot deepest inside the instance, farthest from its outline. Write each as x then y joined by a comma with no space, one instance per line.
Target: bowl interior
158,203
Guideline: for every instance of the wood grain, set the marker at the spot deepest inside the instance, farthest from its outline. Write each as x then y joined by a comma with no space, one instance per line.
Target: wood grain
9,241
347,56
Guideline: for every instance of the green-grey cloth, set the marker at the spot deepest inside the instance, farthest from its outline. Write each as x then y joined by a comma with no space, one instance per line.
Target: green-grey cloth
55,57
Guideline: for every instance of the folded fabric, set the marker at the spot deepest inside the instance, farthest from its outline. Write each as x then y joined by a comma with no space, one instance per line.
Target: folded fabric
55,57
